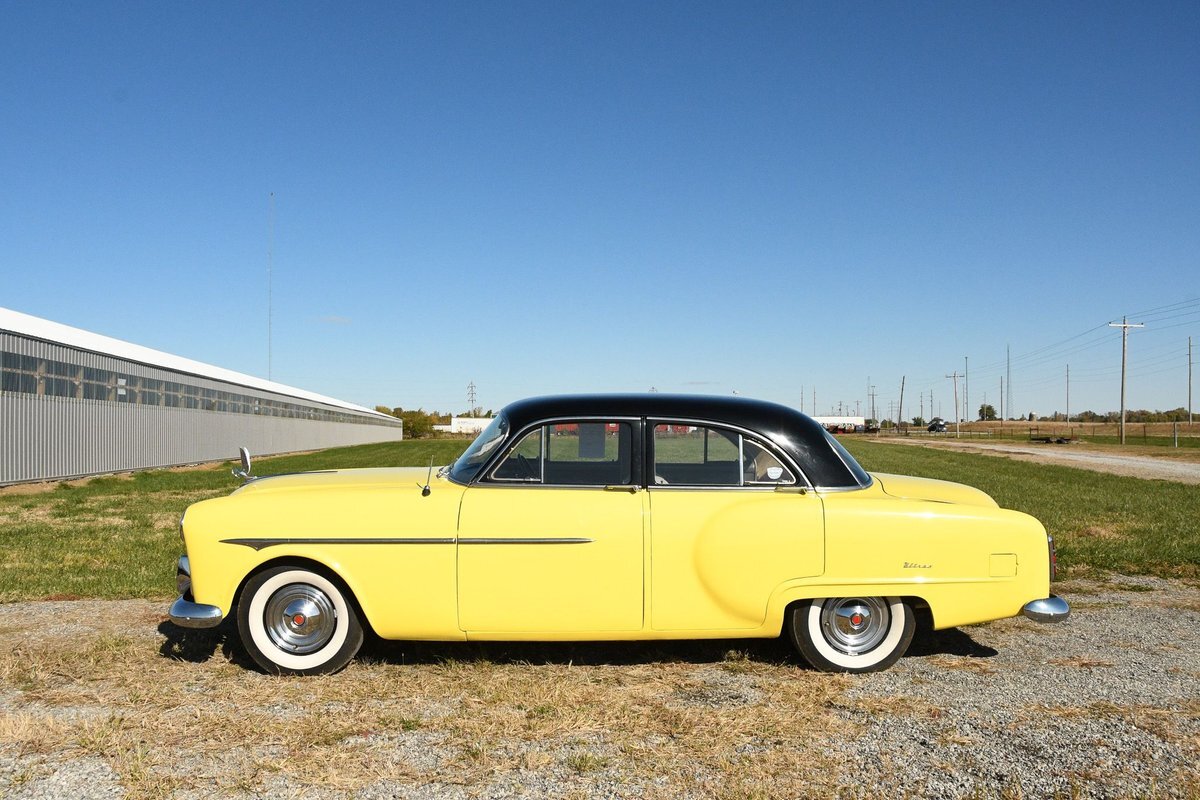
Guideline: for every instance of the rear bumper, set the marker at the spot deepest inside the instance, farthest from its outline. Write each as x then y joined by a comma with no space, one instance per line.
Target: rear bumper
184,612
1048,609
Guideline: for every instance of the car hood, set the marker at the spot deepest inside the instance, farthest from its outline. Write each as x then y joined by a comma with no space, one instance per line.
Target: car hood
909,488
340,479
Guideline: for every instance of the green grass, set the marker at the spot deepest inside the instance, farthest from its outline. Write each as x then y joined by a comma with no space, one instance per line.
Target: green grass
1100,522
117,536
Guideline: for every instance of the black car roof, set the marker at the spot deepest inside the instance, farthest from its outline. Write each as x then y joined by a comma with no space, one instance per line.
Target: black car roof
801,438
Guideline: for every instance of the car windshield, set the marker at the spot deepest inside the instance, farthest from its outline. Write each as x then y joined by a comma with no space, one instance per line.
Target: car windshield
469,463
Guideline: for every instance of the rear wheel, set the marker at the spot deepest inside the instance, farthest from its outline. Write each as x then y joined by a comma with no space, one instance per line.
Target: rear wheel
852,634
294,621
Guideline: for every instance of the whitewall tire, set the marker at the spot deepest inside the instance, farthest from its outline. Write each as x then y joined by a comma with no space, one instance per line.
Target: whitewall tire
852,634
294,621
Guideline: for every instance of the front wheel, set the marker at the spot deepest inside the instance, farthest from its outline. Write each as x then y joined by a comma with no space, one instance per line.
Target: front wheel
294,621
852,634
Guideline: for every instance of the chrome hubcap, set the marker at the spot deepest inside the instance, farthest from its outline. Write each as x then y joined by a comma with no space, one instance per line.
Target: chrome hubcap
300,619
854,625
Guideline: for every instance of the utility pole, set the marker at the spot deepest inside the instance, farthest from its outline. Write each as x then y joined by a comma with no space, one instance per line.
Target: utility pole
921,397
871,394
966,388
900,408
1124,325
1068,400
471,396
1189,381
1008,373
814,400
1002,401
955,377
802,398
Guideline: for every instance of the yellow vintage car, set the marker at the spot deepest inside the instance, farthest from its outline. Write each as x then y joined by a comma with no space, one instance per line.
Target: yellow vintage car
606,517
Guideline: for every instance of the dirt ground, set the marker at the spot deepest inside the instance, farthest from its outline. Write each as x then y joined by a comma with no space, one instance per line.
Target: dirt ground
1097,459
105,699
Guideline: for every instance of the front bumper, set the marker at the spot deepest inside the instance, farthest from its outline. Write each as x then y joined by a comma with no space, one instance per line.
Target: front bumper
1048,609
184,612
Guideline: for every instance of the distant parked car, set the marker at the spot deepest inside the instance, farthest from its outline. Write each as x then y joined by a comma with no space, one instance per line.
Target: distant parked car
937,426
612,517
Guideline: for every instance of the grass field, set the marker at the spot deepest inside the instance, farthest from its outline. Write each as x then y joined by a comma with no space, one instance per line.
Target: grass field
115,537
118,536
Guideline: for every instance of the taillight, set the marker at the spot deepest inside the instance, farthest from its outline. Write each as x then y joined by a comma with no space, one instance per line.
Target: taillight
1053,558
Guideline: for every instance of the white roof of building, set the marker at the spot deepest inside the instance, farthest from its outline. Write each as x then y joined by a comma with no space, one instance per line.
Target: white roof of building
39,328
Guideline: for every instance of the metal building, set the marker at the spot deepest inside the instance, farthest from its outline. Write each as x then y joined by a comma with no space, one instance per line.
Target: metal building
75,403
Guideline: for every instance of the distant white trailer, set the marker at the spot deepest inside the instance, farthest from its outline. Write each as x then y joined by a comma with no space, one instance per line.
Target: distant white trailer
469,425
76,403
842,424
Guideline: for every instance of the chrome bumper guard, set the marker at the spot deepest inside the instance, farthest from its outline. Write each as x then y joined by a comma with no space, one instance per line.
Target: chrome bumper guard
184,612
1049,609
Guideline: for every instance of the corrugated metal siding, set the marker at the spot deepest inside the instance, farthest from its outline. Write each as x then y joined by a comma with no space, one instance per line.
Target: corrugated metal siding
49,437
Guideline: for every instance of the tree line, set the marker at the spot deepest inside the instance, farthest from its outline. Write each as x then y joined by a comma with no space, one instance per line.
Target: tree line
418,423
987,413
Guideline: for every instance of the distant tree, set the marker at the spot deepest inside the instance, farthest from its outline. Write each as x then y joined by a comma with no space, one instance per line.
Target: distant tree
1031,416
919,422
987,412
383,410
417,424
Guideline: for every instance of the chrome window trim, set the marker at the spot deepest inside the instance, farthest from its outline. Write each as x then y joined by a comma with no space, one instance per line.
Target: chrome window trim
858,487
485,476
766,443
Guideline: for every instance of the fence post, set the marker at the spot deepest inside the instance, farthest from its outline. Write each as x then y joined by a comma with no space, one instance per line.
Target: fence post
1175,433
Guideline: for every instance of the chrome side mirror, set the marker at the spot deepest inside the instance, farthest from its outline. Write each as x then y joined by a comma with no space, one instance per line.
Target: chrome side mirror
243,473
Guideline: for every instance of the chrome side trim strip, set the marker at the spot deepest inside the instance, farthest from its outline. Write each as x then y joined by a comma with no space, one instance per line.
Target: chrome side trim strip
259,544
538,540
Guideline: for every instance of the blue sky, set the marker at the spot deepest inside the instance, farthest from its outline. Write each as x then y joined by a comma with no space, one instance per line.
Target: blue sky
541,197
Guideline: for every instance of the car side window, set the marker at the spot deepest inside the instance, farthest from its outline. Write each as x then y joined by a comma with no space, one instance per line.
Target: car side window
762,467
691,455
524,462
572,454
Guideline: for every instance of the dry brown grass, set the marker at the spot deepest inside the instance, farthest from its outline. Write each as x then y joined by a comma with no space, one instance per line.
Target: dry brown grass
1080,662
966,664
1098,532
671,727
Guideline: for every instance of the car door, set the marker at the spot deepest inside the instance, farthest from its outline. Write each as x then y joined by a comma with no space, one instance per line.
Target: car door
730,522
551,539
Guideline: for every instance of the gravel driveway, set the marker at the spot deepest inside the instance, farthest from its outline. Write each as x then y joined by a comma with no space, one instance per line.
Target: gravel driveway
104,700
